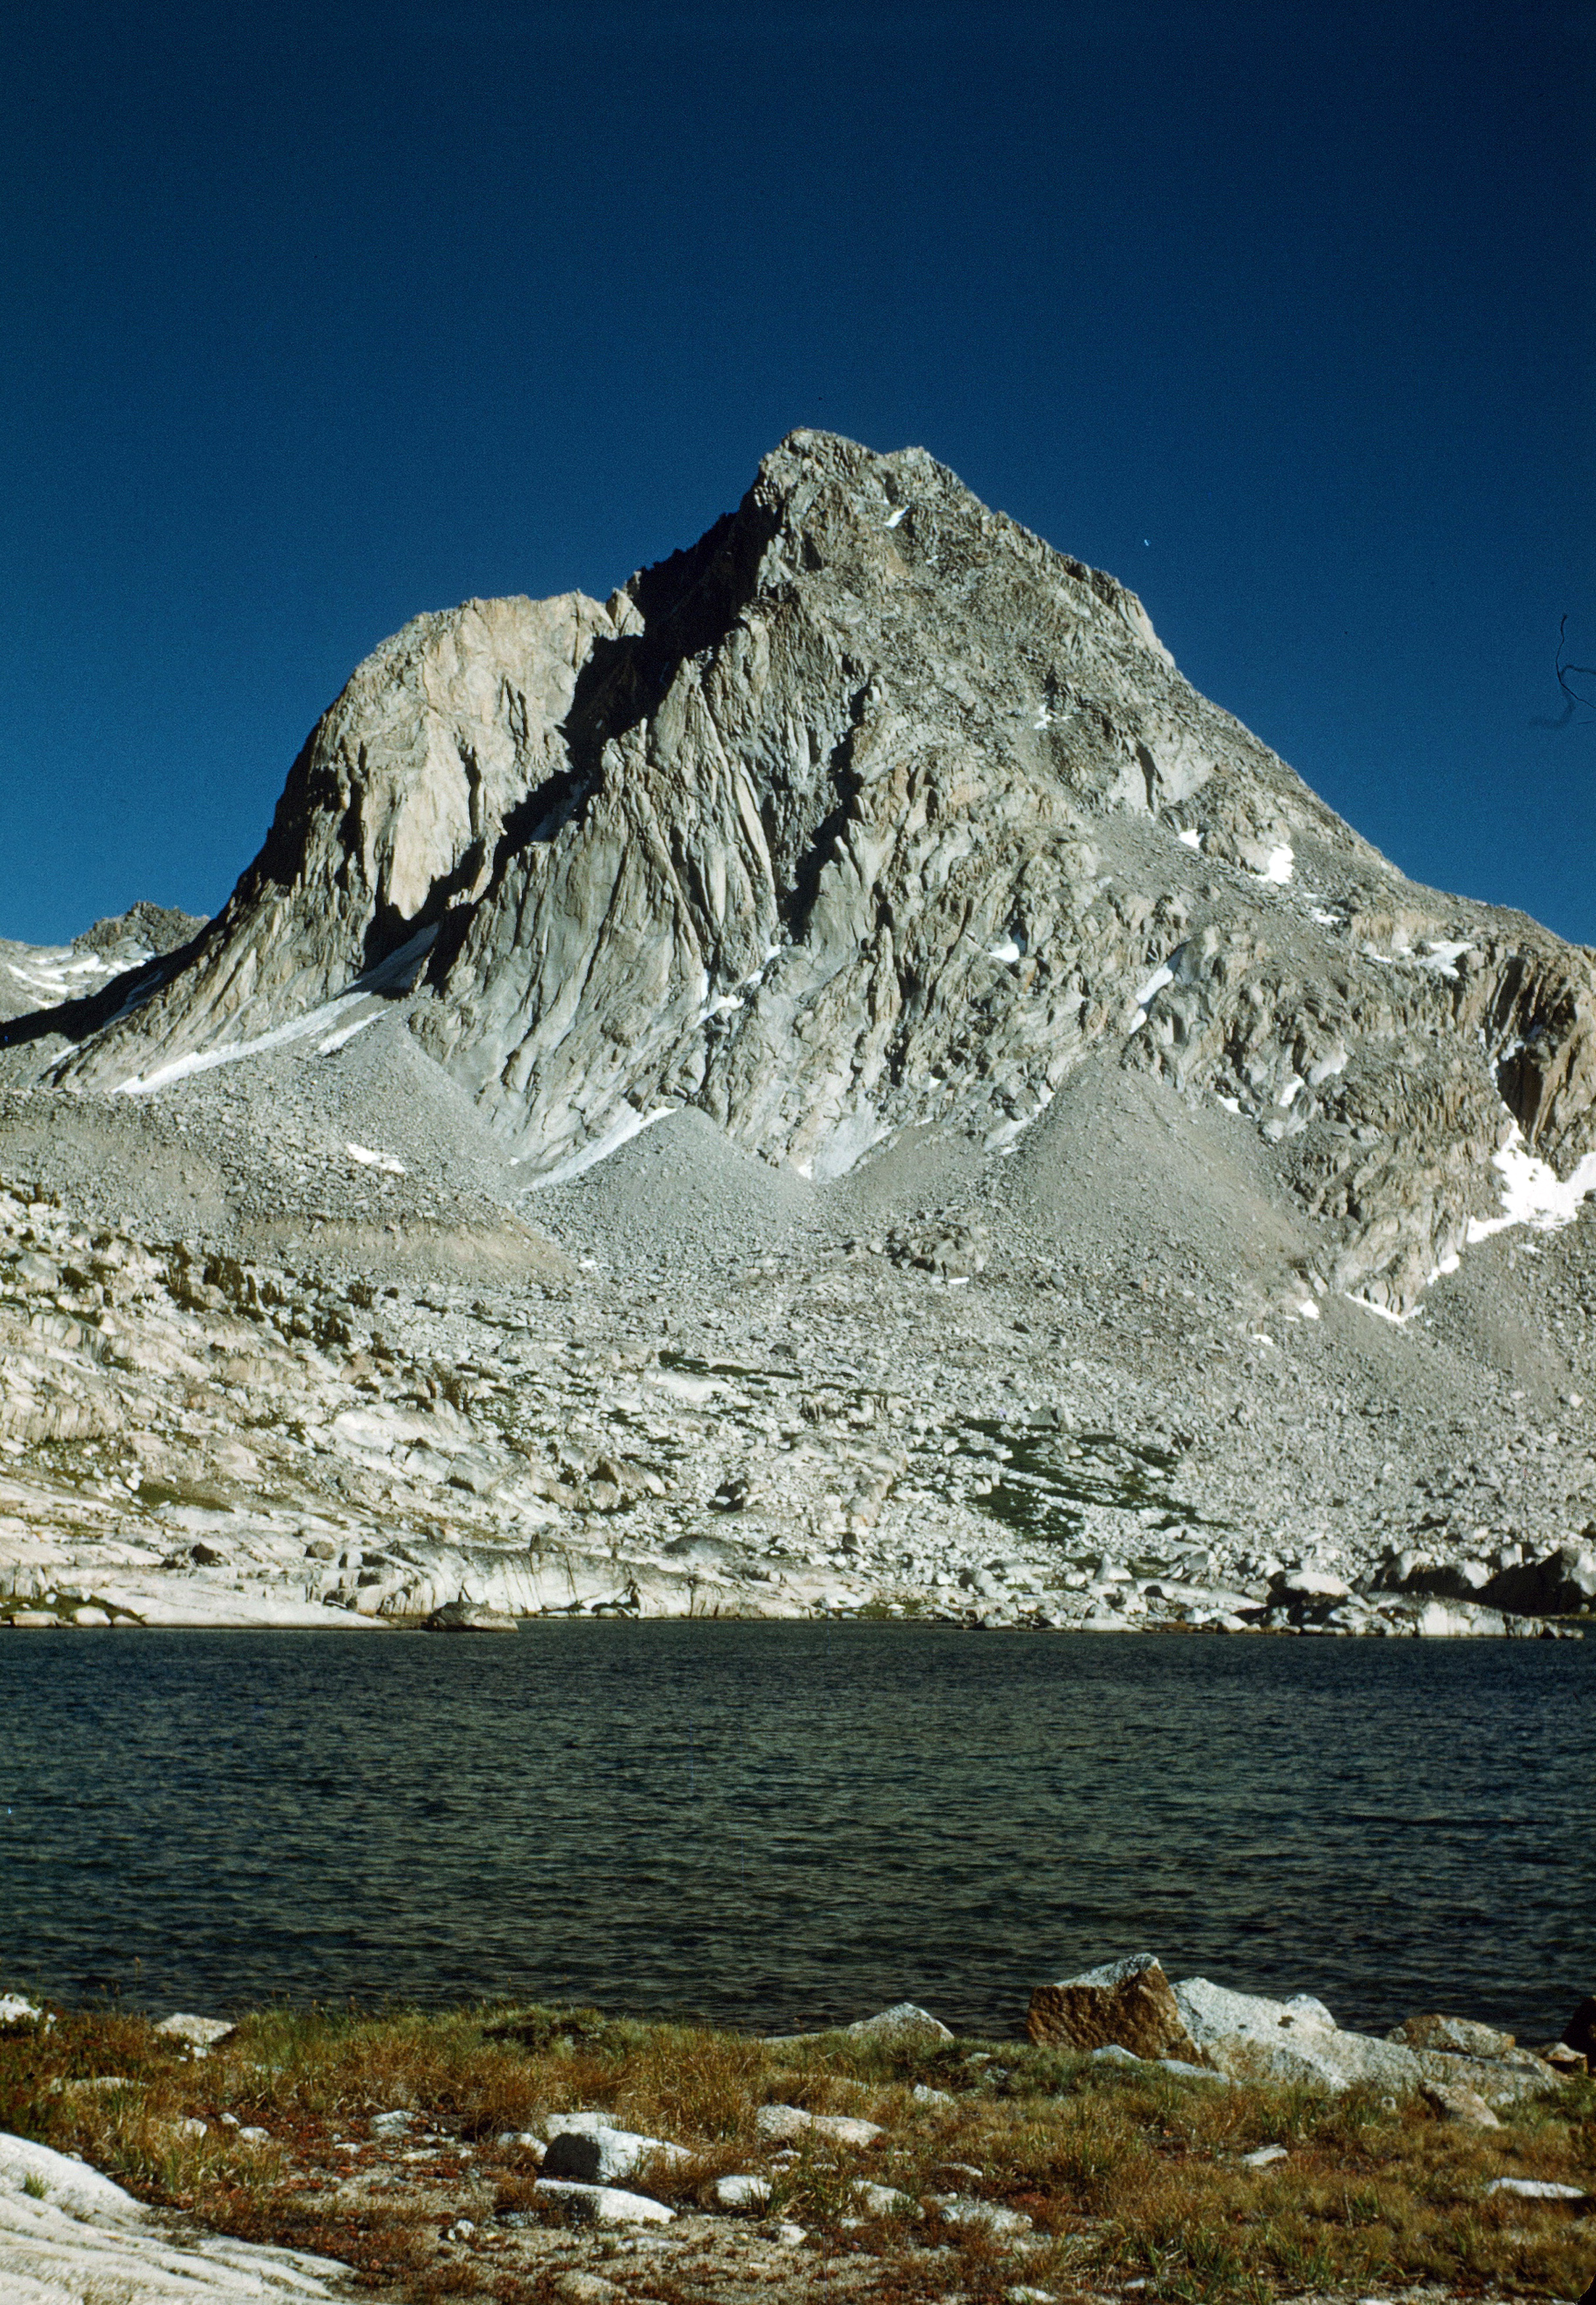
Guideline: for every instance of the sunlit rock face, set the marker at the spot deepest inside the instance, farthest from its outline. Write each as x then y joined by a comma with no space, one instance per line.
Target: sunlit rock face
871,811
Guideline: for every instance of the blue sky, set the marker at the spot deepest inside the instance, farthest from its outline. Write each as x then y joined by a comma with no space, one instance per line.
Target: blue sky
312,318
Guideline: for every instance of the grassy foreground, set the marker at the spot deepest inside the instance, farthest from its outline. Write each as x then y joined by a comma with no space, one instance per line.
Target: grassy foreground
1129,2176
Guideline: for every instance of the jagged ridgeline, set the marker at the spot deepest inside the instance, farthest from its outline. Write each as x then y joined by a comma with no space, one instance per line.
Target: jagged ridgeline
872,810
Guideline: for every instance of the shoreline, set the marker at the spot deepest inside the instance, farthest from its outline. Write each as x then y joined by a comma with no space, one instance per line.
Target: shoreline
526,2153
1432,1621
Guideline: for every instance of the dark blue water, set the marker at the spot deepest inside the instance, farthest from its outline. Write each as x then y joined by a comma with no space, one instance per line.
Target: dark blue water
784,1825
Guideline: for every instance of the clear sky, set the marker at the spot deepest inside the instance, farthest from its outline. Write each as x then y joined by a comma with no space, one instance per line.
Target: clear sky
313,317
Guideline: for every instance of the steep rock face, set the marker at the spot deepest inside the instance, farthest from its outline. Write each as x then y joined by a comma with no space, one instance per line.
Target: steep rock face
871,811
391,816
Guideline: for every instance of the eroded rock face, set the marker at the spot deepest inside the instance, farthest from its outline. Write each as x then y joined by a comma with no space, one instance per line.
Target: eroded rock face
871,811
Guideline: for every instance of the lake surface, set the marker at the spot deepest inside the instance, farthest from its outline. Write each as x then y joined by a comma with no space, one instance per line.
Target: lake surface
780,1825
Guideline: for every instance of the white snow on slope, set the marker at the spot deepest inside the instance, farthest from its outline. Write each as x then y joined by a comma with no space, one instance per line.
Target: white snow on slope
1192,836
1277,864
370,1160
630,1124
52,974
385,977
1532,1192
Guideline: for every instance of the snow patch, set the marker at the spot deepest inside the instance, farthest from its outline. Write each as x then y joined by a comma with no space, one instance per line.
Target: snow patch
1009,950
370,1160
1190,837
387,976
893,518
341,1039
630,1124
1326,919
1277,864
1443,957
1532,1193
1384,1312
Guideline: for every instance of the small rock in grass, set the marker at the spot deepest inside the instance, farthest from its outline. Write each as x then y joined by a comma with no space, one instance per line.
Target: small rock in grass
604,2205
15,2011
1455,2101
787,2121
1022,2293
583,2288
1192,2072
923,2094
961,2209
881,2200
1265,2155
1111,2054
191,2127
790,2236
903,2021
254,2137
599,2154
391,2124
742,2193
198,2032
1537,2189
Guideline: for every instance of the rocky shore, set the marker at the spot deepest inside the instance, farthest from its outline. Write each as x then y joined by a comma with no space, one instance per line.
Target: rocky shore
531,2154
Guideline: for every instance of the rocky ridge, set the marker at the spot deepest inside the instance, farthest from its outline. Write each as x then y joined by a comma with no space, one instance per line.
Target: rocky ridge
836,1080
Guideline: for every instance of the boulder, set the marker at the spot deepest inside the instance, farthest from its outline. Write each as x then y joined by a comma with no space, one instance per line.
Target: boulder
1124,2004
198,2032
469,1617
786,2123
598,2155
881,2200
1459,2035
1579,2033
903,2021
742,2193
604,2204
1252,2038
1458,2101
1562,1585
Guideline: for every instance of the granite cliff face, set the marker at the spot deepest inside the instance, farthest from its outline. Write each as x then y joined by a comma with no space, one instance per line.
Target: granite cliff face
870,812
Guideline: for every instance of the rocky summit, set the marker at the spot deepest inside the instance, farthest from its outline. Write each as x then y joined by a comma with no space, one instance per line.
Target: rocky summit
833,1080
